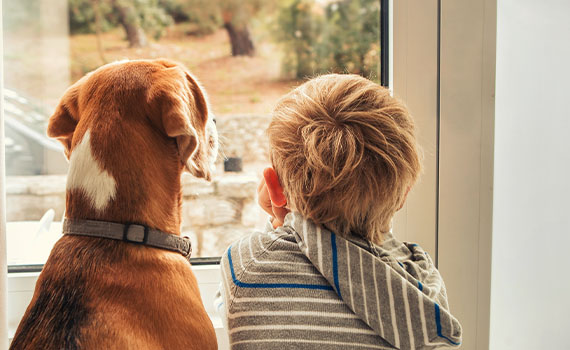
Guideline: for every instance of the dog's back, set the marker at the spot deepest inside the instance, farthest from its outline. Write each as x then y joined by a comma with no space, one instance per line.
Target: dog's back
129,130
88,298
59,303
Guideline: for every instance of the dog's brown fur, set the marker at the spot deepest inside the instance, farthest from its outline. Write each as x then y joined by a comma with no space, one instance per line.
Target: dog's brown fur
145,119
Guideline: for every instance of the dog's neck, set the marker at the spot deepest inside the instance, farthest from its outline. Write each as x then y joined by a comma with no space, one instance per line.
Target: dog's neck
133,183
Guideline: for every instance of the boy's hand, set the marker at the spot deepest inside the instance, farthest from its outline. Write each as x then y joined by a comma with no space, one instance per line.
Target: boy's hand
270,197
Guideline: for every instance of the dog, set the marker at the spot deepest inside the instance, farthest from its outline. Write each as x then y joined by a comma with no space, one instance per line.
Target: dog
129,130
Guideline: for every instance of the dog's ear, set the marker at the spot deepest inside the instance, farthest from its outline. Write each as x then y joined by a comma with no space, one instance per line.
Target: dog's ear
62,123
184,114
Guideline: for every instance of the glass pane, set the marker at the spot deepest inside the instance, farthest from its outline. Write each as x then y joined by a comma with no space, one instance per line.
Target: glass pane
246,54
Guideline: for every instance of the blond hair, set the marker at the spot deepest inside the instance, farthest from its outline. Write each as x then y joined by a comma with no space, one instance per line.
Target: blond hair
345,152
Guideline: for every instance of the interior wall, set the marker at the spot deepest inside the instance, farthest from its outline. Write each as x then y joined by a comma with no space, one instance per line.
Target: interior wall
531,218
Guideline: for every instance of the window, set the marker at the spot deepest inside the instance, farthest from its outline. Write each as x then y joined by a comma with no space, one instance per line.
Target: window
246,54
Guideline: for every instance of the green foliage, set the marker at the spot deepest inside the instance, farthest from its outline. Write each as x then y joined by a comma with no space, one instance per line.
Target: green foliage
203,14
209,15
82,16
154,16
150,15
154,20
298,31
176,9
340,36
317,36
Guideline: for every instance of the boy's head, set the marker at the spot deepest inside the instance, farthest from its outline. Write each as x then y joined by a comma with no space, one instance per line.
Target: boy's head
345,153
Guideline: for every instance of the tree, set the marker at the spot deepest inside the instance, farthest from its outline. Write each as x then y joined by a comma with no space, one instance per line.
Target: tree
137,17
97,14
130,20
353,26
325,37
237,16
233,15
240,39
82,16
204,15
298,29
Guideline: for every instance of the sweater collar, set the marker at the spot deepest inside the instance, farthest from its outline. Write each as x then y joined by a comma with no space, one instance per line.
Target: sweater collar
393,287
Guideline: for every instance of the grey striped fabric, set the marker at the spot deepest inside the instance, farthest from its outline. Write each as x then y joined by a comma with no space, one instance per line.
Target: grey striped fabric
303,287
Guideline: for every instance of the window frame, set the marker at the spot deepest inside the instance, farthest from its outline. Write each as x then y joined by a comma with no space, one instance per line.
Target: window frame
32,268
3,243
385,42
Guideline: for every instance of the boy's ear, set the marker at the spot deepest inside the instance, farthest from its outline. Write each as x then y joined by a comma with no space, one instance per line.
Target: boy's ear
62,123
184,115
274,188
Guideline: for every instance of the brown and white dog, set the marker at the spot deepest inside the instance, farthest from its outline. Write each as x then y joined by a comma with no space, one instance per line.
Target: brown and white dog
129,129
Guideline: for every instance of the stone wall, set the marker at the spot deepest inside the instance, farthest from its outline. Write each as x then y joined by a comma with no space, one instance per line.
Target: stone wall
218,213
214,214
244,136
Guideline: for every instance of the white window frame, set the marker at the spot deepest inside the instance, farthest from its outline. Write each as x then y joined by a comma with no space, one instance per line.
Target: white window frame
444,69
3,255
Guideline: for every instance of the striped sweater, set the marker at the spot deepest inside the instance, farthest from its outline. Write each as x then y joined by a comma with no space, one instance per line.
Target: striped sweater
303,287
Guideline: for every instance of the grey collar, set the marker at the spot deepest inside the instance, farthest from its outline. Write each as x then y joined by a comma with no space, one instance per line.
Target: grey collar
132,233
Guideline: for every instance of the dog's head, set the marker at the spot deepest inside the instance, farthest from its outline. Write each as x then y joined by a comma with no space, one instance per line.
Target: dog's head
135,100
129,129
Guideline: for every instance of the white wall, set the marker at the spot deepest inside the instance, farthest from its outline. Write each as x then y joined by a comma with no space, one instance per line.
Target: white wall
530,287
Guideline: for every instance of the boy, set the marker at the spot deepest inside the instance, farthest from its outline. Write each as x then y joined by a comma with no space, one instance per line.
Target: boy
328,271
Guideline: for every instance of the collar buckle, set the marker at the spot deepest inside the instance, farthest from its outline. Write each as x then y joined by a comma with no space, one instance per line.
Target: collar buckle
132,233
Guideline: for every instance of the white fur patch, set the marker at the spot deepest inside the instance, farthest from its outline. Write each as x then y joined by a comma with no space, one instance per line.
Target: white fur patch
211,151
86,174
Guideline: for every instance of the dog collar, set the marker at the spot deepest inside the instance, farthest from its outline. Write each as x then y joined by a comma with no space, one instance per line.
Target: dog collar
129,232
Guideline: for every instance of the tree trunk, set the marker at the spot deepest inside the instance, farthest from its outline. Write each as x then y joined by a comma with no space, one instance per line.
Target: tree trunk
97,11
128,18
240,40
